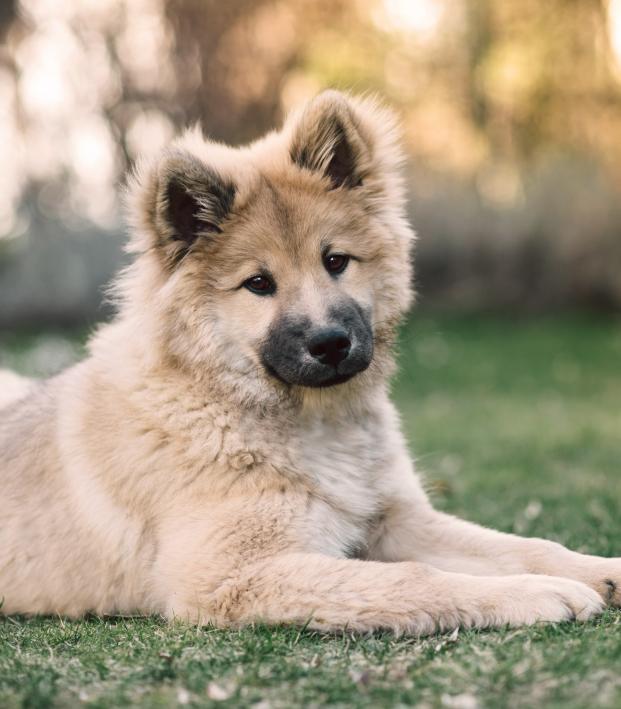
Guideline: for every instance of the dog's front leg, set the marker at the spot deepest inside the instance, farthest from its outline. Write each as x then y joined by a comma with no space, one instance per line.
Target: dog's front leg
414,530
250,565
332,594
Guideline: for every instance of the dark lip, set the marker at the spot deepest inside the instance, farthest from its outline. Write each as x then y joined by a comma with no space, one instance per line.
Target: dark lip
333,381
324,384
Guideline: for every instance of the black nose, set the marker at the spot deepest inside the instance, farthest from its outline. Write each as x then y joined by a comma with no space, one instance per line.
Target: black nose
330,346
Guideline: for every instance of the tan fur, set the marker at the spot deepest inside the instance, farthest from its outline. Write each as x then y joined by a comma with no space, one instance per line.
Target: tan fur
169,473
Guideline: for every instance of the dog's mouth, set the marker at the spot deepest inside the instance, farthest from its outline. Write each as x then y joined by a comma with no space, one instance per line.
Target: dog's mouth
314,382
334,380
306,377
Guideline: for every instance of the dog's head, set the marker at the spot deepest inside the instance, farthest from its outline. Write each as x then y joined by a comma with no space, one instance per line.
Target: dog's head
286,261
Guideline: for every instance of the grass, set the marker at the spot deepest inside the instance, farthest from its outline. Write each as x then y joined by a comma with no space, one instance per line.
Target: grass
517,425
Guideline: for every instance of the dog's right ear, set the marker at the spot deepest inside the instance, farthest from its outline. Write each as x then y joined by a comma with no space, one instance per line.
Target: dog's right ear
177,201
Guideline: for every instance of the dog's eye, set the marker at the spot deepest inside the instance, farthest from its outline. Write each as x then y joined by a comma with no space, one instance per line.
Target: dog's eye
335,263
261,285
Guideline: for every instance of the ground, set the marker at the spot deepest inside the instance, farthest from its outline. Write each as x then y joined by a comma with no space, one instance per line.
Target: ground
516,424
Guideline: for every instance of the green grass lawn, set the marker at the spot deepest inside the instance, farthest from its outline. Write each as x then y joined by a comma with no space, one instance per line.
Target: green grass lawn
516,424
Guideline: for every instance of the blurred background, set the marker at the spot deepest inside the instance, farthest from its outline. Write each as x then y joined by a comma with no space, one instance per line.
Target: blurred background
511,110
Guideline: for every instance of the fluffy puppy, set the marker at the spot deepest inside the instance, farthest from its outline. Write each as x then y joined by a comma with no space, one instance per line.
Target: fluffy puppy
227,452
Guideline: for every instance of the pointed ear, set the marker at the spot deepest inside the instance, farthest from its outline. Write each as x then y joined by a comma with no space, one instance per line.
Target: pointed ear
327,138
179,201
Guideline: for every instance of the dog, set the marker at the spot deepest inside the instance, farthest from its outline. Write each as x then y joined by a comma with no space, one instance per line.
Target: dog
227,452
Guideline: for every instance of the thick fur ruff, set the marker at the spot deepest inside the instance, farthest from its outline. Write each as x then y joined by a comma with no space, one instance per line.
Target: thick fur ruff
189,467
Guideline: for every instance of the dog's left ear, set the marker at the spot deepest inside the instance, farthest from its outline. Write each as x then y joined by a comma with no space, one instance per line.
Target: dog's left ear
329,138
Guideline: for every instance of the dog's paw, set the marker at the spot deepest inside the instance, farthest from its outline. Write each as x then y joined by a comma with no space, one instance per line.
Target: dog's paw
604,576
531,599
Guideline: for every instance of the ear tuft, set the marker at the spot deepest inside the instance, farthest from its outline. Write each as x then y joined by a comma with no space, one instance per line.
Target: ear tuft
327,140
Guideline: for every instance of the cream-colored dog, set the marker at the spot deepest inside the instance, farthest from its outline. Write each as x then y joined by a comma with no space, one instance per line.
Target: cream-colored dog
227,452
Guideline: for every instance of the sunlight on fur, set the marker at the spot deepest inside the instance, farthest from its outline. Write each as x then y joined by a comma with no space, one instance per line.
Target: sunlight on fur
227,452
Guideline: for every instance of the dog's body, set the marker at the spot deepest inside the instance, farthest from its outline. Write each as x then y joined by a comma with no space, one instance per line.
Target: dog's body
228,452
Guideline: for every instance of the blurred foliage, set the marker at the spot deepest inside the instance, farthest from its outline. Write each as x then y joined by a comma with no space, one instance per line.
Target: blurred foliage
511,114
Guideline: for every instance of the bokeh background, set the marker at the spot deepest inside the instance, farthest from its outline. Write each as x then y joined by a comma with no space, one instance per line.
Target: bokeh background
511,111
509,382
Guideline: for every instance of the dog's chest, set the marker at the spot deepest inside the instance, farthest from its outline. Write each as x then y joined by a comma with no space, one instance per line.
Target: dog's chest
343,463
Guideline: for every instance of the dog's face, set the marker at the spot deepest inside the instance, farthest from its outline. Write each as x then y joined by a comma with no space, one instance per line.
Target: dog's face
295,287
286,261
